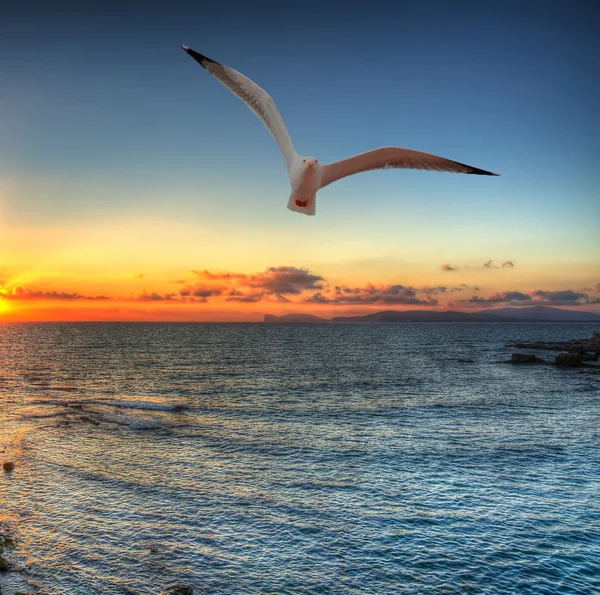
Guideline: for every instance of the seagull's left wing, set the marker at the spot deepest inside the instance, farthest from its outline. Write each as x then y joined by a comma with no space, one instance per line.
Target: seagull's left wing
394,157
257,99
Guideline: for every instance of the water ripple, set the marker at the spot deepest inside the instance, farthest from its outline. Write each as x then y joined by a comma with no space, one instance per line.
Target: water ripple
335,459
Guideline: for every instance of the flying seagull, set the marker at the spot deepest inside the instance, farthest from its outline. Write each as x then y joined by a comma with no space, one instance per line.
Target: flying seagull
307,175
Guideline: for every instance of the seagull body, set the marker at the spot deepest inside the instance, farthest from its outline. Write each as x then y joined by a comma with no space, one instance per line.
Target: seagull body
307,175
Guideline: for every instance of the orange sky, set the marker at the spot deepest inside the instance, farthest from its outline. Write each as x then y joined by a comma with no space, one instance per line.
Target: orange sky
149,269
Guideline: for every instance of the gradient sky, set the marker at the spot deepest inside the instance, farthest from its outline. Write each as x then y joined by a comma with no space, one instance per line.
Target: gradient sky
125,167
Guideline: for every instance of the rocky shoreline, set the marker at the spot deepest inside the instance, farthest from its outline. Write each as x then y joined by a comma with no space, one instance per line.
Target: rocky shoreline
573,353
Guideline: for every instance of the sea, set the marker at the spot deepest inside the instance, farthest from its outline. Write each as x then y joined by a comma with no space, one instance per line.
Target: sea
296,459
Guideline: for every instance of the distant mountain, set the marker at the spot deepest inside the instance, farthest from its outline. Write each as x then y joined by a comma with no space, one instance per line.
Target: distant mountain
422,316
544,313
530,314
294,318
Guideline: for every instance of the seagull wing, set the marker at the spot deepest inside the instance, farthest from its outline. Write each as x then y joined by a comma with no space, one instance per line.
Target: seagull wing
257,99
394,157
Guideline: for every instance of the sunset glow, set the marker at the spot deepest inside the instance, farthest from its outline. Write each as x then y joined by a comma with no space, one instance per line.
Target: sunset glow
127,172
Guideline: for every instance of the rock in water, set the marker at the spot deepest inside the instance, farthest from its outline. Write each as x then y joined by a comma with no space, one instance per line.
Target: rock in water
589,357
8,466
4,565
180,590
523,358
568,359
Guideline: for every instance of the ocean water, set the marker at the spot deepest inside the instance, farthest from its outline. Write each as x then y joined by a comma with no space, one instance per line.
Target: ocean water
296,459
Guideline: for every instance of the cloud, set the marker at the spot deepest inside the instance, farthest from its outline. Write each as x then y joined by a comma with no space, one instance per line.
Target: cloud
370,294
475,300
284,280
137,275
252,297
155,297
217,276
273,282
501,297
200,290
443,289
509,296
281,282
21,294
434,290
490,265
597,288
565,297
447,267
507,264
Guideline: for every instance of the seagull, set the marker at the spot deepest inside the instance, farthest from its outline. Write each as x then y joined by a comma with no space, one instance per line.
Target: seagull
307,175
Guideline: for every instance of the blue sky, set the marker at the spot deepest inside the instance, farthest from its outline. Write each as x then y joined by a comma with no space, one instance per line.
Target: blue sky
104,117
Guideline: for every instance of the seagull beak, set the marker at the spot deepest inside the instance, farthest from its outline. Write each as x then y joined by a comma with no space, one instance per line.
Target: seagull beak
310,163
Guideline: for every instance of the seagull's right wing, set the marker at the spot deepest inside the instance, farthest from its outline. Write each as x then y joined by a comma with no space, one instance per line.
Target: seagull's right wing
394,157
257,99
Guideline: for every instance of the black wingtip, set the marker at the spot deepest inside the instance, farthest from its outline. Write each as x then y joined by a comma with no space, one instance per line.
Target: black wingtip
202,60
476,170
484,172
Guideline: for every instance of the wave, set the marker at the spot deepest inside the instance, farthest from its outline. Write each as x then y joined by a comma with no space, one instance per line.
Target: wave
144,405
134,423
147,405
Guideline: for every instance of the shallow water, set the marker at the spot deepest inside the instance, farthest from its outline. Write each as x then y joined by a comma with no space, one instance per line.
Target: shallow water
333,459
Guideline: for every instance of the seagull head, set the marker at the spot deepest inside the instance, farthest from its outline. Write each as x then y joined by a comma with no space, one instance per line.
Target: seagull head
309,161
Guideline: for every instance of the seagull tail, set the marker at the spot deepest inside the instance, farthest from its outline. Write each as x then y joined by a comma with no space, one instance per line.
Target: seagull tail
307,206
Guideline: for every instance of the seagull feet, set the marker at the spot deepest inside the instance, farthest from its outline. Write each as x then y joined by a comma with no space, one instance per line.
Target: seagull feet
301,203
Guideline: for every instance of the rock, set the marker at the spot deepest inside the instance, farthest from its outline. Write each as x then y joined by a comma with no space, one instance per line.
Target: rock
4,565
8,466
589,357
547,346
465,361
94,422
523,358
7,542
574,345
180,590
568,359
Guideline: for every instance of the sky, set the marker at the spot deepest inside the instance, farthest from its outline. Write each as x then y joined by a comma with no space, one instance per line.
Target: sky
133,186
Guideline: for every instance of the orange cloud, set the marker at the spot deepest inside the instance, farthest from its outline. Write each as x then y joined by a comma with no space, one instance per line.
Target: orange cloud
240,287
155,297
276,288
21,294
